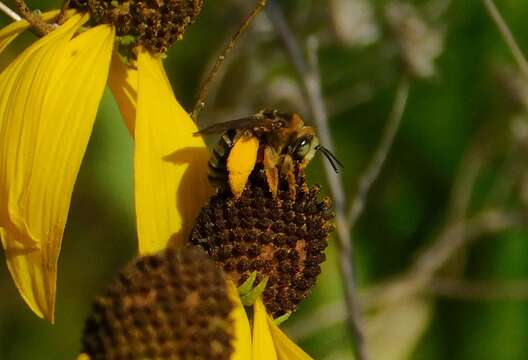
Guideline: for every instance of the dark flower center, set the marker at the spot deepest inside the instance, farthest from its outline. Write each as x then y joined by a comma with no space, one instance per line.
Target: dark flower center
153,24
282,238
173,305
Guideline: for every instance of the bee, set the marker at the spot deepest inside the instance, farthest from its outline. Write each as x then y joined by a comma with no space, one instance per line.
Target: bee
279,141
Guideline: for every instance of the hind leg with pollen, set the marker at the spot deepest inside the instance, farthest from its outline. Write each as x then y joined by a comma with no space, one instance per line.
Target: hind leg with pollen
241,162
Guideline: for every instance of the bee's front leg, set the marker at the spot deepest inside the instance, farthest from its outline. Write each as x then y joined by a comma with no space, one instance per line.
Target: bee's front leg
270,160
288,169
300,173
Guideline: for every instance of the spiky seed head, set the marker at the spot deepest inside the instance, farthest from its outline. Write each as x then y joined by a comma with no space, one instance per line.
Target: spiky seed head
153,24
173,305
282,238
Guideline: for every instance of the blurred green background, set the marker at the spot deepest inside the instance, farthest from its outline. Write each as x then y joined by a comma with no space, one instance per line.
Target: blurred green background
464,123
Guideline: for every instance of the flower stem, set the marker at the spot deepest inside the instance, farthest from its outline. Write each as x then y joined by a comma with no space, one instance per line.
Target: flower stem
507,35
200,103
37,24
307,68
9,12
371,174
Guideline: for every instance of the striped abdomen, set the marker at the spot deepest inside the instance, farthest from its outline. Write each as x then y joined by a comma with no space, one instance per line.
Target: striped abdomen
217,172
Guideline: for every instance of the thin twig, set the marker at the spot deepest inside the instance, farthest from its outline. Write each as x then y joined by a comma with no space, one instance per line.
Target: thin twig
322,317
204,90
479,290
507,36
464,183
456,234
454,237
371,174
312,83
41,27
9,12
308,72
435,9
421,277
460,234
332,314
61,18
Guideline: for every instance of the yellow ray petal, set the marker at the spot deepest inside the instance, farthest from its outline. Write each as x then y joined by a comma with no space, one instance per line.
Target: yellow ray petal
240,163
286,348
22,91
48,102
123,83
170,163
263,348
83,356
11,31
242,342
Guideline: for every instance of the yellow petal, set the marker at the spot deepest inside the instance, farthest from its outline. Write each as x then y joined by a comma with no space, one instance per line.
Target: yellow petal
83,357
263,348
48,102
242,341
286,348
123,82
11,31
170,163
240,163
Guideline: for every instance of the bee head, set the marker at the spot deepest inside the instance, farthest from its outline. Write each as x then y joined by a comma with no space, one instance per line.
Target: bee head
303,145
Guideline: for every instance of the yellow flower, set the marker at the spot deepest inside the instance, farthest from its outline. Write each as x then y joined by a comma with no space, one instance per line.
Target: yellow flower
49,95
156,308
269,342
242,341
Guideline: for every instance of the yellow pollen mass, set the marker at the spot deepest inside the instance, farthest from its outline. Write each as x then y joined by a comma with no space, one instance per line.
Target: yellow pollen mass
240,163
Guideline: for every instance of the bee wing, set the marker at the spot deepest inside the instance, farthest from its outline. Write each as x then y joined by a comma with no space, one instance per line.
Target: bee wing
243,123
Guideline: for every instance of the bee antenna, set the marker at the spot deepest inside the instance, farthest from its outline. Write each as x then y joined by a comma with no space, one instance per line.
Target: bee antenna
336,164
204,90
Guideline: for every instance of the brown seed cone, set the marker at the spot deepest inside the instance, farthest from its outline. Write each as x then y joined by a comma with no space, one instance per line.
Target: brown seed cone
282,238
155,24
173,305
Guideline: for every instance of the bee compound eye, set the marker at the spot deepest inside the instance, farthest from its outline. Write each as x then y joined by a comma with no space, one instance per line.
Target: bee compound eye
302,148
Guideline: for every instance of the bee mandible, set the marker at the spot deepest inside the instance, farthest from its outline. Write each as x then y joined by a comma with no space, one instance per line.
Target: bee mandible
279,141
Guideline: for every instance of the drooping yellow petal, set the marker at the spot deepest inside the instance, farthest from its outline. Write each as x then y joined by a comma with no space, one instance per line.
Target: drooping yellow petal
285,347
48,102
170,163
83,357
11,31
242,341
240,163
23,86
123,81
263,347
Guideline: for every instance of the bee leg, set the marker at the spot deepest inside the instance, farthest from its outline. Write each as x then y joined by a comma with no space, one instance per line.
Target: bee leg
241,162
300,173
288,169
272,178
270,161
